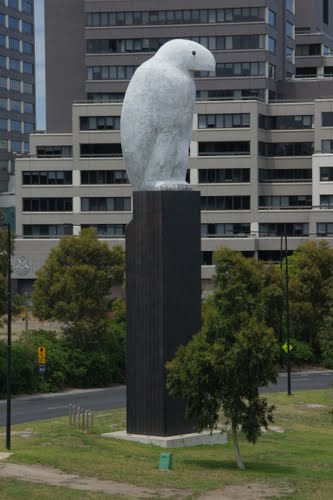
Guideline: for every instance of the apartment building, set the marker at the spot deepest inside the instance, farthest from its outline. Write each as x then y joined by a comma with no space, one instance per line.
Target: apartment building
262,136
17,93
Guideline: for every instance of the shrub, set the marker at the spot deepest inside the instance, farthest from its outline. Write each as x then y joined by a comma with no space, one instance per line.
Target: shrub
301,352
56,360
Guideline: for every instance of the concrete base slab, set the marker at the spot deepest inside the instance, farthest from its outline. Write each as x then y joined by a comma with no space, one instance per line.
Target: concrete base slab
179,441
4,455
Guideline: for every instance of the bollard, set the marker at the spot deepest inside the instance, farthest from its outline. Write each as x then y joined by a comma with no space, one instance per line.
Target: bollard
87,420
78,418
70,413
83,414
92,422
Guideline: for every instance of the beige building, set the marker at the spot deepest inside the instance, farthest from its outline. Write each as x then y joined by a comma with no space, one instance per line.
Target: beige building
262,170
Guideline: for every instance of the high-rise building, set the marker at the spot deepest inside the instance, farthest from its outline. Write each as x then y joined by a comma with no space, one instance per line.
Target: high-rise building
261,152
17,92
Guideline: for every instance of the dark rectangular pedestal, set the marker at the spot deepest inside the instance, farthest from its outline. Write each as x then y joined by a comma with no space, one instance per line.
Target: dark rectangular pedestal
163,291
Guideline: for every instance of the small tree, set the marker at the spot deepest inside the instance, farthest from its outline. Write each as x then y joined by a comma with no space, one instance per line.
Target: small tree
311,271
225,364
74,284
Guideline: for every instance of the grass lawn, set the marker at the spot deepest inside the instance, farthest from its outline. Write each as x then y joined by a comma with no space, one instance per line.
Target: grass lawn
300,458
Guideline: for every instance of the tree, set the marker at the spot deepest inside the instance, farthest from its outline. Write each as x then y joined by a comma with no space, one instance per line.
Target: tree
74,284
233,355
311,270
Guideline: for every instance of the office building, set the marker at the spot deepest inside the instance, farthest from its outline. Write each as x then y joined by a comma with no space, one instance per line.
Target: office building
17,93
261,153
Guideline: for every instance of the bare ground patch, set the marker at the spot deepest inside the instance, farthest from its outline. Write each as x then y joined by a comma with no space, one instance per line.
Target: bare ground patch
48,475
250,491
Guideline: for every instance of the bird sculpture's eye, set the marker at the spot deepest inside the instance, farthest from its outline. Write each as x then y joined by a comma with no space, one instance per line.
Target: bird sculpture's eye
193,52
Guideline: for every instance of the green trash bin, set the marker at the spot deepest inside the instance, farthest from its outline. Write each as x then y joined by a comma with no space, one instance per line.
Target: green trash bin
165,461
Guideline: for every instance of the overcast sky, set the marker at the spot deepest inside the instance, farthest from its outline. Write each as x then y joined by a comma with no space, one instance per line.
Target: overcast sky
40,64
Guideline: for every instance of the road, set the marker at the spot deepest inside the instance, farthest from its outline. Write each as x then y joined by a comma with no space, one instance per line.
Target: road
43,406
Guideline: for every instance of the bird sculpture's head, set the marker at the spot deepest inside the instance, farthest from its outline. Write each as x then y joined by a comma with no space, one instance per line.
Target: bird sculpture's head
186,55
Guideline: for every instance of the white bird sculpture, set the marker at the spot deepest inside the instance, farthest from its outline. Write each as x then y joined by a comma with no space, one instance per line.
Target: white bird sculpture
157,116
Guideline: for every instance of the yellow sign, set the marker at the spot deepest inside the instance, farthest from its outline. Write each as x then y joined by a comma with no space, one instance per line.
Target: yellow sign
285,347
41,355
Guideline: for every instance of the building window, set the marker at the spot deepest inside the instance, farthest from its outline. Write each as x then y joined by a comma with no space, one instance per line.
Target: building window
27,28
223,175
2,41
100,150
309,72
47,230
3,124
110,72
233,42
99,122
326,201
225,202
15,126
54,151
3,145
47,204
15,85
271,71
326,174
272,45
271,18
16,146
290,6
13,23
327,146
47,177
225,230
3,82
105,96
196,16
286,149
104,177
223,94
108,230
14,43
2,18
3,103
290,29
289,53
106,204
284,202
14,64
14,4
28,68
281,229
28,127
325,11
224,148
286,122
232,120
285,175
309,49
28,88
325,229
26,7
327,119
28,108
28,48
3,62
206,258
15,106
235,69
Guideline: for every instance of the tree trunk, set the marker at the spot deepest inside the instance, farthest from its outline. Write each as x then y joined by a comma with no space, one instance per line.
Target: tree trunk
236,449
